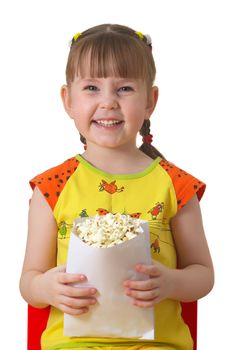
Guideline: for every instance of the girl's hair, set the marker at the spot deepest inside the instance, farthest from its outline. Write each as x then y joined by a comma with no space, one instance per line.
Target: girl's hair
114,50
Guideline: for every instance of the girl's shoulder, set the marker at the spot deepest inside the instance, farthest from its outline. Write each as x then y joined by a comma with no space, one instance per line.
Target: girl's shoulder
185,184
52,181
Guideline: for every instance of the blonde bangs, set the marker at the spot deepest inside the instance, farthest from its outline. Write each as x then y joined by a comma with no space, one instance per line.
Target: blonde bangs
110,54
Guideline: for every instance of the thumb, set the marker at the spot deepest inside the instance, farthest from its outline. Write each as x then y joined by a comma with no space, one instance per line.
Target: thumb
65,277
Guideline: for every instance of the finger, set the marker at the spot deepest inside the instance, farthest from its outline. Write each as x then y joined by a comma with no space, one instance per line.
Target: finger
77,292
75,312
77,303
143,295
144,304
151,270
64,277
151,283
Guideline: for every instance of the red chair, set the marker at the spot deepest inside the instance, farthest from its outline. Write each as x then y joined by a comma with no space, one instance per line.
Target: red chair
189,314
37,320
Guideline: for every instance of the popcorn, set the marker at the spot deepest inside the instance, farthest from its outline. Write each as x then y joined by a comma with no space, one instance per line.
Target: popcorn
107,230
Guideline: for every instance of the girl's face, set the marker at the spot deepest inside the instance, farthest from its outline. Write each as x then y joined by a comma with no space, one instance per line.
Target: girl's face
108,112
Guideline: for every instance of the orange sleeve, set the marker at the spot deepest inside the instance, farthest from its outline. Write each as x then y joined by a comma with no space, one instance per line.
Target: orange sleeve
185,185
52,181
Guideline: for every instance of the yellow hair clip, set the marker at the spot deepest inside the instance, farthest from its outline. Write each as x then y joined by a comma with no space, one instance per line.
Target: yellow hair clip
76,36
140,35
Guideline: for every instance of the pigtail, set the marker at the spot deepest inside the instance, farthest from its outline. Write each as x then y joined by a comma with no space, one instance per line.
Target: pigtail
83,140
146,146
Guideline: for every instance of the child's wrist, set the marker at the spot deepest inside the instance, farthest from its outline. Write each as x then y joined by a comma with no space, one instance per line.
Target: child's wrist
39,291
173,284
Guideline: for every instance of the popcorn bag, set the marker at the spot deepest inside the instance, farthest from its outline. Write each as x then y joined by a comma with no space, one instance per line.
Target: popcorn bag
106,250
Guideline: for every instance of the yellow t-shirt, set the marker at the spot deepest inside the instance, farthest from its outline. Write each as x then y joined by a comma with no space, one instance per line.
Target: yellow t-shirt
78,189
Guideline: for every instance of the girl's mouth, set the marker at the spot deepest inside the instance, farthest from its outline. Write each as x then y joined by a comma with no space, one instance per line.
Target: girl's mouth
109,124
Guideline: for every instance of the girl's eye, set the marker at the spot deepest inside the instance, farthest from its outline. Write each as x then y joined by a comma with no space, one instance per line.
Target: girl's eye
90,88
94,88
126,88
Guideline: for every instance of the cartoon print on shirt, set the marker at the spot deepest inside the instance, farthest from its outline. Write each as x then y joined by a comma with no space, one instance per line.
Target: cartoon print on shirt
83,213
102,211
62,229
135,215
156,210
156,245
110,187
155,230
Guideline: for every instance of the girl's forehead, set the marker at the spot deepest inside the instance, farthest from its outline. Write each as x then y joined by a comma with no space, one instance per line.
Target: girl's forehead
87,73
93,66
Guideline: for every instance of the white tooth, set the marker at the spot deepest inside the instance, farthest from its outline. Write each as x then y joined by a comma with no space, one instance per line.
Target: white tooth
107,122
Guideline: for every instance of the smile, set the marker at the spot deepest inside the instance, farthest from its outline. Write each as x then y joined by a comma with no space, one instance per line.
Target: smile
107,123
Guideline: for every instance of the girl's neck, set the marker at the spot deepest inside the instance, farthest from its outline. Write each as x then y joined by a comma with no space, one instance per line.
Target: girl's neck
117,161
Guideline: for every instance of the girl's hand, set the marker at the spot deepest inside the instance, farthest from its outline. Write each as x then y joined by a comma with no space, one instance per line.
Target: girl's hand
57,291
151,291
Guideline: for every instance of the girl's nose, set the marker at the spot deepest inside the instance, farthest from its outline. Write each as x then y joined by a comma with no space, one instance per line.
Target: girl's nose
108,102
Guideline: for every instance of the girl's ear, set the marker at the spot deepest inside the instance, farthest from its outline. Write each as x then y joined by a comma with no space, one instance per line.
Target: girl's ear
152,101
66,98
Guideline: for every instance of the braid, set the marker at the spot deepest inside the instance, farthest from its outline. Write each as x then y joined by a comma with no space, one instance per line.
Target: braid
145,130
84,141
147,148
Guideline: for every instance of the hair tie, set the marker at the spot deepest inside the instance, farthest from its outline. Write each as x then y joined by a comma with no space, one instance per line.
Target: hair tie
76,36
147,36
140,35
147,139
149,40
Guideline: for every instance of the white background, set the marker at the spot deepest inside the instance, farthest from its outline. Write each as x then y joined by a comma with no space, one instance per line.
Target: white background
191,46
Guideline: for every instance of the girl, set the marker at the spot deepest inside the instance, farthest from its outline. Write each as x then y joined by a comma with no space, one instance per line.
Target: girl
110,95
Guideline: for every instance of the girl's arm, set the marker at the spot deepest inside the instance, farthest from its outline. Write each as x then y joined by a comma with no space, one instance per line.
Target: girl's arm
193,278
42,283
40,255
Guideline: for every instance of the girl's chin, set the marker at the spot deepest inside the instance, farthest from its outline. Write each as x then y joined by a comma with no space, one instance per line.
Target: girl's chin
105,143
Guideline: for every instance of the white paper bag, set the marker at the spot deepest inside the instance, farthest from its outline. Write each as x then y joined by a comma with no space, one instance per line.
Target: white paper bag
106,269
